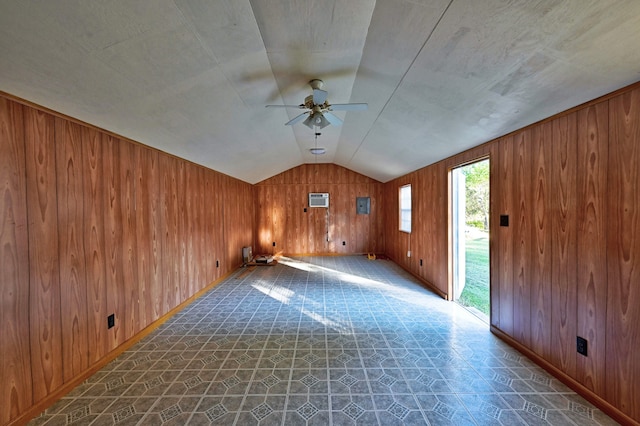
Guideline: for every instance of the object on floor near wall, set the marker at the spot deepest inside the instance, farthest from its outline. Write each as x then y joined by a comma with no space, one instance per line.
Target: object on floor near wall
247,254
264,258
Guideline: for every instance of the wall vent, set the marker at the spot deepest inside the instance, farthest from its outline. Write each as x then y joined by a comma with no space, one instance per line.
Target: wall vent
318,199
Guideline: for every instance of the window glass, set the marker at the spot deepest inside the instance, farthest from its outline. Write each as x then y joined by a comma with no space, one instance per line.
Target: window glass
405,208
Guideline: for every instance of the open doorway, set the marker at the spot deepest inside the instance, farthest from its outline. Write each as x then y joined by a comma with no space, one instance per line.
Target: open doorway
470,225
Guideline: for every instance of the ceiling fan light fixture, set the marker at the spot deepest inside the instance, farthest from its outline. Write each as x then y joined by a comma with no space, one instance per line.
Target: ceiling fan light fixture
316,119
317,151
309,121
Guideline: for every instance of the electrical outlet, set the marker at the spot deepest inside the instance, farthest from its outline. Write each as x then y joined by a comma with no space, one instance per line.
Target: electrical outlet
420,262
217,263
344,243
581,345
111,321
274,243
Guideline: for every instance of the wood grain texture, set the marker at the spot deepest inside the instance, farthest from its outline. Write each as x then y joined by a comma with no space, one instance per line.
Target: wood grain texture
142,233
592,244
113,238
86,216
440,222
73,289
504,238
564,240
15,369
623,261
44,278
280,210
94,243
238,220
217,231
522,235
169,226
129,249
210,269
541,226
196,234
494,228
602,214
182,284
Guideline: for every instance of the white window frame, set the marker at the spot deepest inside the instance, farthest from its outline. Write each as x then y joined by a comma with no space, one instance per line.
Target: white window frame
404,208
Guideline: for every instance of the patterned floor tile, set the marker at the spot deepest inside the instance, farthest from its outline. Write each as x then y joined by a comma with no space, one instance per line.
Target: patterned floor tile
344,341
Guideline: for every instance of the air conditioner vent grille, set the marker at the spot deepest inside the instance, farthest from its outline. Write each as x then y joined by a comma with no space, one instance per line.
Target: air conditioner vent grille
318,199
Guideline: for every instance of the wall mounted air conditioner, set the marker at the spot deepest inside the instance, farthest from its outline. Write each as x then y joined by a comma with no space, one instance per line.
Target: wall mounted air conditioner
318,199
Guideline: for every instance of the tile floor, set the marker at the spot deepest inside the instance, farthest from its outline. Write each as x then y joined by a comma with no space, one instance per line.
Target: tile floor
322,341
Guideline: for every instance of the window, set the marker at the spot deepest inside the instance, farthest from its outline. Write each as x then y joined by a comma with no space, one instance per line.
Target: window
405,208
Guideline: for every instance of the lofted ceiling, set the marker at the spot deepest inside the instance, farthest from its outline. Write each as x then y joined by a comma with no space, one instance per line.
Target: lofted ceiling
192,77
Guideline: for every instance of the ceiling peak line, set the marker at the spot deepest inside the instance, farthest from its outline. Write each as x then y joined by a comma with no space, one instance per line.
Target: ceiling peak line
415,58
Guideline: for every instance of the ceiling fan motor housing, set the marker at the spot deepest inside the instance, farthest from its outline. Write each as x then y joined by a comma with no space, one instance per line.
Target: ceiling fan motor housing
316,84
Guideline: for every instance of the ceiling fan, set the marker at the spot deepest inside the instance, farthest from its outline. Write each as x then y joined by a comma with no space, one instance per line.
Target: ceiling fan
318,110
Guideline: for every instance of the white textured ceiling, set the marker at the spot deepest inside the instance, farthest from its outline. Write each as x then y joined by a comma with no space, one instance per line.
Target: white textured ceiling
191,77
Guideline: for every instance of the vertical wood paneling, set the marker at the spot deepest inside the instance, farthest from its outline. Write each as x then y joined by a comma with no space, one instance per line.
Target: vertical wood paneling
113,238
279,224
199,234
83,187
233,212
522,229
182,284
85,216
44,276
564,223
300,231
129,247
15,353
189,219
94,243
220,230
623,301
280,202
289,218
441,221
541,226
169,225
376,240
421,247
494,230
505,236
392,235
144,218
263,219
591,247
73,290
209,185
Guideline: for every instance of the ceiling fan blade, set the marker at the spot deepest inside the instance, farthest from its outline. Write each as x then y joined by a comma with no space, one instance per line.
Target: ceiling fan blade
348,107
319,96
285,106
297,119
335,121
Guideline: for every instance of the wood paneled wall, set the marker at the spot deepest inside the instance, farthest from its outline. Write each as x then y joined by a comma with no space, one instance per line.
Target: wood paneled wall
622,331
281,218
90,225
569,263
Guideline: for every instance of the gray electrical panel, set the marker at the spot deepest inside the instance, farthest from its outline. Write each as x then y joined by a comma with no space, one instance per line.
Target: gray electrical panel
363,205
